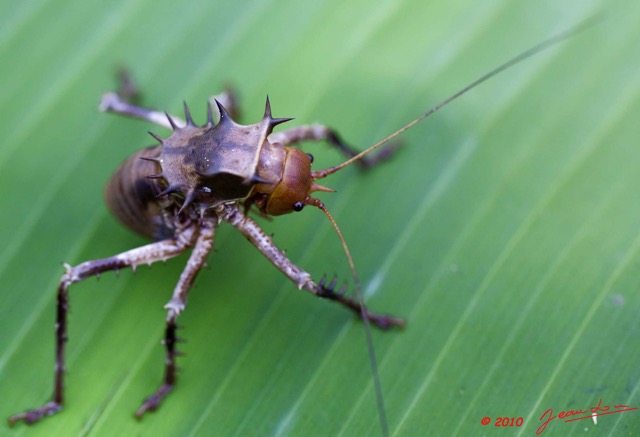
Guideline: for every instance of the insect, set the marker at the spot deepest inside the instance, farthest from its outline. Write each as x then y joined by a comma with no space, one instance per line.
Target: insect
179,191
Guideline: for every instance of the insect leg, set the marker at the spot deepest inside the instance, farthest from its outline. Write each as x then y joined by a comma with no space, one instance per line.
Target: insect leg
256,236
113,102
148,254
176,305
319,132
117,104
127,86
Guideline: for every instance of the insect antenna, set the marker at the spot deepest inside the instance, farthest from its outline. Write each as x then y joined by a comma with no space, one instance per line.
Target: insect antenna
363,315
510,63
318,174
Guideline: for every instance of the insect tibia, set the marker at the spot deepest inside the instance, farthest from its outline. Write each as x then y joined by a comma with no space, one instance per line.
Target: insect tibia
381,321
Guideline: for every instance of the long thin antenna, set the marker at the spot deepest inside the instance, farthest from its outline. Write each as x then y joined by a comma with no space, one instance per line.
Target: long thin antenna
323,173
510,63
363,315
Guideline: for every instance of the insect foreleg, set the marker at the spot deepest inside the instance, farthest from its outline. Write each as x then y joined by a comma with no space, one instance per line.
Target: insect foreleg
299,277
178,301
319,132
148,254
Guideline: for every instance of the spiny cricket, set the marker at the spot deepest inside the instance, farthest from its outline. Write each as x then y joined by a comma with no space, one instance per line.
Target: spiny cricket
179,191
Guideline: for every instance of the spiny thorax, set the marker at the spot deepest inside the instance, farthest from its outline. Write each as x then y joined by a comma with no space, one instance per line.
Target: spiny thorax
213,164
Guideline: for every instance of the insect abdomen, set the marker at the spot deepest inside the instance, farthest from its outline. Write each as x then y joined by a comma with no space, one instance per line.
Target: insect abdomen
131,195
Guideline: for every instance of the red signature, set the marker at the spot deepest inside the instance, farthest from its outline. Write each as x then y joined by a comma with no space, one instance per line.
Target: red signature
570,415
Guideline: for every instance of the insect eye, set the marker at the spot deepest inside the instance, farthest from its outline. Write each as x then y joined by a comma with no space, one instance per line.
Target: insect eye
310,157
298,206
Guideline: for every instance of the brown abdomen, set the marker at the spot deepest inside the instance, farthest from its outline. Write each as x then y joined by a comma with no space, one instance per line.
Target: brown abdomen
131,196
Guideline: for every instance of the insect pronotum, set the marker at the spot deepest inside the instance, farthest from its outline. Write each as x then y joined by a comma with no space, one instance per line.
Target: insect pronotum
179,191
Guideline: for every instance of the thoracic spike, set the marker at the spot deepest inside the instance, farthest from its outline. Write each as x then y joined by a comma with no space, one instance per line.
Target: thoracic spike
224,115
255,179
158,138
267,116
187,201
173,124
259,180
167,192
209,114
273,122
187,114
267,108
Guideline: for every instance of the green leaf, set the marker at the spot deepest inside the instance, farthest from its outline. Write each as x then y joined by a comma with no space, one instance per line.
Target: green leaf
506,230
